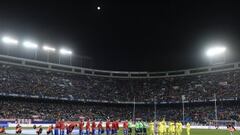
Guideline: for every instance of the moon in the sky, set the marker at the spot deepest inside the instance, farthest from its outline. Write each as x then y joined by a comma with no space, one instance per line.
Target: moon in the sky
98,7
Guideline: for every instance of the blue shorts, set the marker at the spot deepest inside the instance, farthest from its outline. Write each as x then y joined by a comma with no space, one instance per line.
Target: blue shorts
114,131
55,131
87,132
68,131
125,131
61,132
80,132
108,131
93,132
99,131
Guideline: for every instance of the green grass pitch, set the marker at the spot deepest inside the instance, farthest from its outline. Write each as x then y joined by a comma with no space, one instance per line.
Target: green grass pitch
209,132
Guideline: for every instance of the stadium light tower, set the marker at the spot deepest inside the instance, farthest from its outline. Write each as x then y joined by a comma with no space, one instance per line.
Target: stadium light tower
48,49
31,45
215,109
183,109
65,52
215,51
9,40
216,54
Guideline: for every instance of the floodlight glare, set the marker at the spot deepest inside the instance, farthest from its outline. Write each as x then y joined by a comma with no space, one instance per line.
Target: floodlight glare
9,40
47,48
65,52
214,51
30,45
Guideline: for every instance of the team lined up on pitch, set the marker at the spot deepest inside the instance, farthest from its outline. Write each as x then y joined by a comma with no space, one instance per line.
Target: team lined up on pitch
110,128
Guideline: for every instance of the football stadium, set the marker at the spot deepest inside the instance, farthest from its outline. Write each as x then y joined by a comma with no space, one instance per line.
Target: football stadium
119,68
41,93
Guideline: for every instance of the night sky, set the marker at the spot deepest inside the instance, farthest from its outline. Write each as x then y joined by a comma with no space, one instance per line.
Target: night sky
129,36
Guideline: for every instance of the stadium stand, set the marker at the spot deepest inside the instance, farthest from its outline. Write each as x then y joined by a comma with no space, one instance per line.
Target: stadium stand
54,94
50,111
37,82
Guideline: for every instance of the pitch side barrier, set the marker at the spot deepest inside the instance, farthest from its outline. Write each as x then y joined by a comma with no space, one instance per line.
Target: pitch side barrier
114,74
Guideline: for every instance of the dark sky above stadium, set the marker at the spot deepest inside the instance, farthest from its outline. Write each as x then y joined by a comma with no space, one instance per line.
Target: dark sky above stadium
124,35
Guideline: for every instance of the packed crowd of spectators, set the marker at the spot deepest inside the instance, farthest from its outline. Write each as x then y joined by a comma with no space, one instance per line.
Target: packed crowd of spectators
52,111
42,83
36,82
12,109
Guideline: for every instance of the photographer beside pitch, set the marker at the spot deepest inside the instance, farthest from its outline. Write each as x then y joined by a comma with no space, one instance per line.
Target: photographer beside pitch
231,129
2,130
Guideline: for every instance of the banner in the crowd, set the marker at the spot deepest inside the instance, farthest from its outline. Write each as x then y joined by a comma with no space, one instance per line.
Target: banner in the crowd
3,124
7,120
24,121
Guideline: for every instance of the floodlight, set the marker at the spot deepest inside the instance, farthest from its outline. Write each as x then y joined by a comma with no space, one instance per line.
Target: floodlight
31,45
214,51
65,52
47,48
9,40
